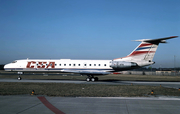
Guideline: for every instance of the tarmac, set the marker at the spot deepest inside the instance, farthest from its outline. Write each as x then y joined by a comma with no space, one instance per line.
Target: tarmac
26,104
175,85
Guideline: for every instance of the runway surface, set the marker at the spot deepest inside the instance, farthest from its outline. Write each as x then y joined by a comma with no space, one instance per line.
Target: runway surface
86,105
25,104
164,84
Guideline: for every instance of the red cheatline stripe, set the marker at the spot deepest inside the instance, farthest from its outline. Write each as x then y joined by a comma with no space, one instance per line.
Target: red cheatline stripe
50,106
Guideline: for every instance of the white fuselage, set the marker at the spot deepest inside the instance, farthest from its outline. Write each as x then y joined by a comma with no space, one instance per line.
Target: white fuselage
58,65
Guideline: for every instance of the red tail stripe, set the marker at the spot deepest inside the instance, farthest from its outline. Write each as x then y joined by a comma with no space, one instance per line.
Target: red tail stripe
136,53
141,52
142,45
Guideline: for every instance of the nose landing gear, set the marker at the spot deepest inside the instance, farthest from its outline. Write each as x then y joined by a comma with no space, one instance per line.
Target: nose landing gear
19,77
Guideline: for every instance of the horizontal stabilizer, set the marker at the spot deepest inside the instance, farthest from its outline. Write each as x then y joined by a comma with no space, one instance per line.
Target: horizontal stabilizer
159,40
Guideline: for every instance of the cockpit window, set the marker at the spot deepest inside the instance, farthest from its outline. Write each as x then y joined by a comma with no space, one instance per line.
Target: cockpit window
14,61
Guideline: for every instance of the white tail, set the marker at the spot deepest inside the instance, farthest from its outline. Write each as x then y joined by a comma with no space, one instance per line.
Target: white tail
146,49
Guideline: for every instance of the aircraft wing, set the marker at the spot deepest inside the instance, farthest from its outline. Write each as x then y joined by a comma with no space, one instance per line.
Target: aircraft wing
87,72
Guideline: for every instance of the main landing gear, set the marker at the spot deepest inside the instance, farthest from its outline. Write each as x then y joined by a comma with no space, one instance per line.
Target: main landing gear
91,78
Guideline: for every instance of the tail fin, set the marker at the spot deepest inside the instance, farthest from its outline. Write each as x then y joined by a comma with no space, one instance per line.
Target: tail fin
147,49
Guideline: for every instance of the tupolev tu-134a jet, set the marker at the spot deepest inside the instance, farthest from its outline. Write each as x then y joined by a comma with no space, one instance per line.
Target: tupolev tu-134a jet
141,56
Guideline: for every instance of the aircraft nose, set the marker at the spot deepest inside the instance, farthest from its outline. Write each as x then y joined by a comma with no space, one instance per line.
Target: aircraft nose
6,67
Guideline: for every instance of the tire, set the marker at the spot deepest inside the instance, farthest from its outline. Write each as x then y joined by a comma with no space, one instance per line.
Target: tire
88,79
92,79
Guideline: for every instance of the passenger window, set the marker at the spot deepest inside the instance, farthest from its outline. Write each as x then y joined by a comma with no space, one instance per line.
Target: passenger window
89,64
94,64
59,64
69,64
104,64
64,64
74,64
99,64
84,64
79,65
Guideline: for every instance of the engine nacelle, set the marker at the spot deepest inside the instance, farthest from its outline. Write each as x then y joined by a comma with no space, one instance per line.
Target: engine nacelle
122,64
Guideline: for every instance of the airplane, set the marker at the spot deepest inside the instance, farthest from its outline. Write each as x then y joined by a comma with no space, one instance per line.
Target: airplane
141,56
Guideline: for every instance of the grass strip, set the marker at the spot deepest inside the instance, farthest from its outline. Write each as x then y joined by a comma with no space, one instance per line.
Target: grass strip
84,90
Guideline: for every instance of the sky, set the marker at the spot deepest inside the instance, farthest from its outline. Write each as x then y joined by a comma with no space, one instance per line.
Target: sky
87,29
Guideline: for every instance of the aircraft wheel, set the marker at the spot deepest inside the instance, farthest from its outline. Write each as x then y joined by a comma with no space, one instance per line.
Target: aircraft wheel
92,79
19,78
88,79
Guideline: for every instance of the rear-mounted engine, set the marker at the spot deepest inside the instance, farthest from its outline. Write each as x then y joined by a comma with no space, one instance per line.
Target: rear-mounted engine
122,64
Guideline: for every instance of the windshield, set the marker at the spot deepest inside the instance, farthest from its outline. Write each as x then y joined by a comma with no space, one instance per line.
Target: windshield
14,61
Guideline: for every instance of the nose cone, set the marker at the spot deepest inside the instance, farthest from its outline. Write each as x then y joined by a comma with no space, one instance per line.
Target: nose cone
7,67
